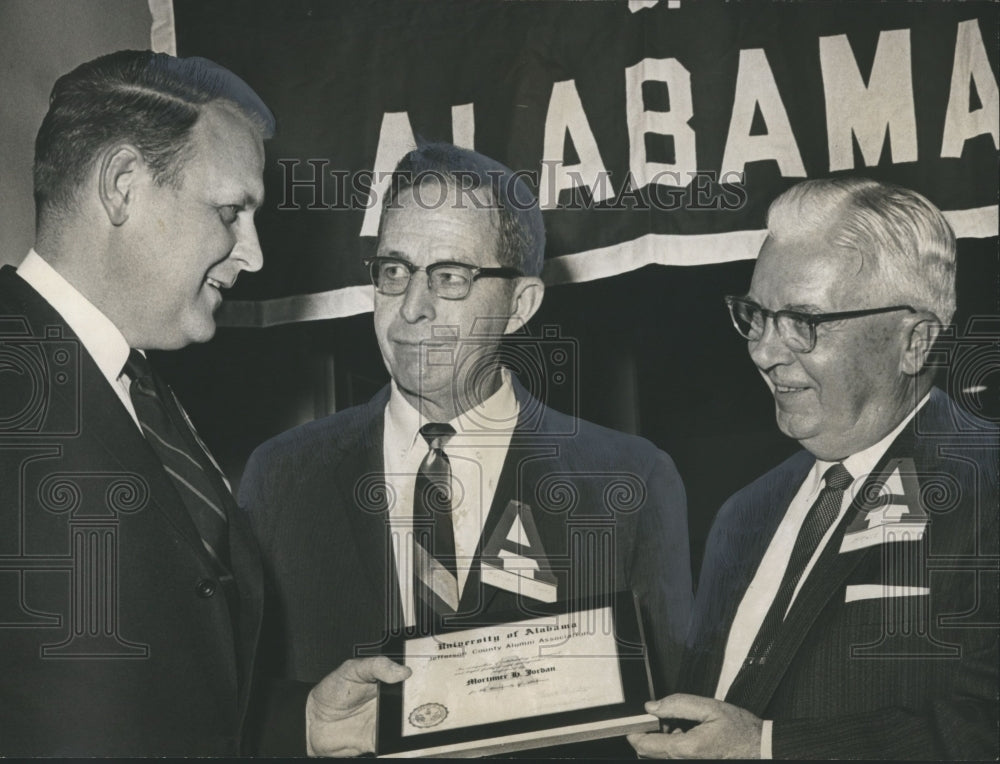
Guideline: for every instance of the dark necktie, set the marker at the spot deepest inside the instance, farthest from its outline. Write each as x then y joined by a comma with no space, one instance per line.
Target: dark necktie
435,579
173,441
818,520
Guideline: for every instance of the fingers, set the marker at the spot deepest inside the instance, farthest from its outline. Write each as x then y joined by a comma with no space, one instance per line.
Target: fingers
656,745
377,669
354,682
636,740
681,706
721,730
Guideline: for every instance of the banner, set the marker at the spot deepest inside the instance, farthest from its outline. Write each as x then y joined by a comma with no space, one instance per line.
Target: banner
652,132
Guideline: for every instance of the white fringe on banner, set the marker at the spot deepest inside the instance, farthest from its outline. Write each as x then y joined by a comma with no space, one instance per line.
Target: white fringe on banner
651,249
162,37
980,223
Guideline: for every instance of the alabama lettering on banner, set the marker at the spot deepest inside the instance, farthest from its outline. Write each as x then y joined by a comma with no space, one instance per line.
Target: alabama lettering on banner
653,132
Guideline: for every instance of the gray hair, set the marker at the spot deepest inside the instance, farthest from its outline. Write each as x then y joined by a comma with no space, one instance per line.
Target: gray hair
521,232
900,235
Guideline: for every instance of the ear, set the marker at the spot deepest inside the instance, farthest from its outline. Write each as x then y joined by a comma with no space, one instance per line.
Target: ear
119,169
922,333
526,300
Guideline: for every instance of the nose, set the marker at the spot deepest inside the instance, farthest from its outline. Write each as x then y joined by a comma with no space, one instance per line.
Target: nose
770,350
418,300
247,249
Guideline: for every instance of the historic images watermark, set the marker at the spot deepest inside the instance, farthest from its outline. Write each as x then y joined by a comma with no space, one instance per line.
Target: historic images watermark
60,571
312,184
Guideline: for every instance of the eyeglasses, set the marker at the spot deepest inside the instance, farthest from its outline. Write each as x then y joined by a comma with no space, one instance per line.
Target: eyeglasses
447,279
797,330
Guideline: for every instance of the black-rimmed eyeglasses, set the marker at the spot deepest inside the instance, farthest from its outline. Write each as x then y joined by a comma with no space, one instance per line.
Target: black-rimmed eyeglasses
447,279
797,330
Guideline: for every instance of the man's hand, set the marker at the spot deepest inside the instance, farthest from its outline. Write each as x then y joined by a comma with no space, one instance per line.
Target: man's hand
340,711
723,731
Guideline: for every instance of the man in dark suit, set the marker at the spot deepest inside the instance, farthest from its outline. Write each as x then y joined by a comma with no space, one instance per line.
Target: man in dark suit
337,504
847,606
130,584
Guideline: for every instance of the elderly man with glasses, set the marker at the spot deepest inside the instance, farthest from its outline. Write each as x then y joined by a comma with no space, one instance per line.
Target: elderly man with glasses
455,492
847,605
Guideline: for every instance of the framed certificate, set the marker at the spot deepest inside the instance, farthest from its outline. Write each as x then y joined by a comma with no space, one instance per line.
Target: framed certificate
563,675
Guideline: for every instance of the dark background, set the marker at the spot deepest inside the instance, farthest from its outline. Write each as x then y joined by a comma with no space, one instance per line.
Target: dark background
655,353
657,356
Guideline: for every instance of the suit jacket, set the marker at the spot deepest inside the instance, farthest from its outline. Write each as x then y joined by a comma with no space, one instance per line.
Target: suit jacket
856,673
117,638
316,502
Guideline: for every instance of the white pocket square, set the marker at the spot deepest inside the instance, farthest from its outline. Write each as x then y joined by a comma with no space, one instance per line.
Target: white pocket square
882,591
882,534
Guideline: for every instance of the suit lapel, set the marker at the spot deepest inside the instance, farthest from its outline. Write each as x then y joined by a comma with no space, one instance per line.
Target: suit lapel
103,419
245,559
360,478
121,440
476,597
825,581
108,429
517,472
747,538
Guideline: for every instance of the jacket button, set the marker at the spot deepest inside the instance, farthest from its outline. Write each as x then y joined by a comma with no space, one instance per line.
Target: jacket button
205,588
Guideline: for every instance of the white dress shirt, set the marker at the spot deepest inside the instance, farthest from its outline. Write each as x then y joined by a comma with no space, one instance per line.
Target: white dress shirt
476,452
766,582
98,335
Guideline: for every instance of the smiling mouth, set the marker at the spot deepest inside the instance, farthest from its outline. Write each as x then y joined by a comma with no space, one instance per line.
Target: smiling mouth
787,389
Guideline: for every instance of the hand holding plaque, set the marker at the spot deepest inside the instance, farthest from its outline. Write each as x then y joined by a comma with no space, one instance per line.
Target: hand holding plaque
340,709
575,674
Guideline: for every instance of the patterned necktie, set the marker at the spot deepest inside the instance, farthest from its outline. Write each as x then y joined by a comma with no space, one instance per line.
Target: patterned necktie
818,520
435,579
164,427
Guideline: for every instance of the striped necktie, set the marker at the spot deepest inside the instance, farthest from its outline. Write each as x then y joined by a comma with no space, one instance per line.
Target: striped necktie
821,515
435,579
174,443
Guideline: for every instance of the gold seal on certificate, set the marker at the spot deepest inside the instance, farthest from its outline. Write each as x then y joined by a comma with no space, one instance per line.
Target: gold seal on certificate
571,675
427,715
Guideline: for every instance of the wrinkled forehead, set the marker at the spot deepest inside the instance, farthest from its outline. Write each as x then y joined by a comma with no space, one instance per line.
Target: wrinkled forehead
434,221
435,191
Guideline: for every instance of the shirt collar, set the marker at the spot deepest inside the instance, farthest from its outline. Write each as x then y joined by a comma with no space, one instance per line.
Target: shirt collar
496,415
863,462
99,336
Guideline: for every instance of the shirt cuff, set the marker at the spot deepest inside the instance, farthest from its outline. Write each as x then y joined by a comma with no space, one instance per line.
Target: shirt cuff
765,739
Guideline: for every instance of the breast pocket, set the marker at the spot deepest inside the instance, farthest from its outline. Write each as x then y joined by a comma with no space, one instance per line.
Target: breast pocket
887,607
860,592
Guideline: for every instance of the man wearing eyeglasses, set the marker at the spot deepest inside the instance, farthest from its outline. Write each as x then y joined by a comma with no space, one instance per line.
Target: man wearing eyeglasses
380,517
847,605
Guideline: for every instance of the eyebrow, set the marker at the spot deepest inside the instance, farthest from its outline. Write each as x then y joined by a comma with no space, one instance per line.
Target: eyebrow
396,255
802,308
806,308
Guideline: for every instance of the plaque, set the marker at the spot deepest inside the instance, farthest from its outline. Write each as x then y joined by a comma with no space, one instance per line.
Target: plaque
560,675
